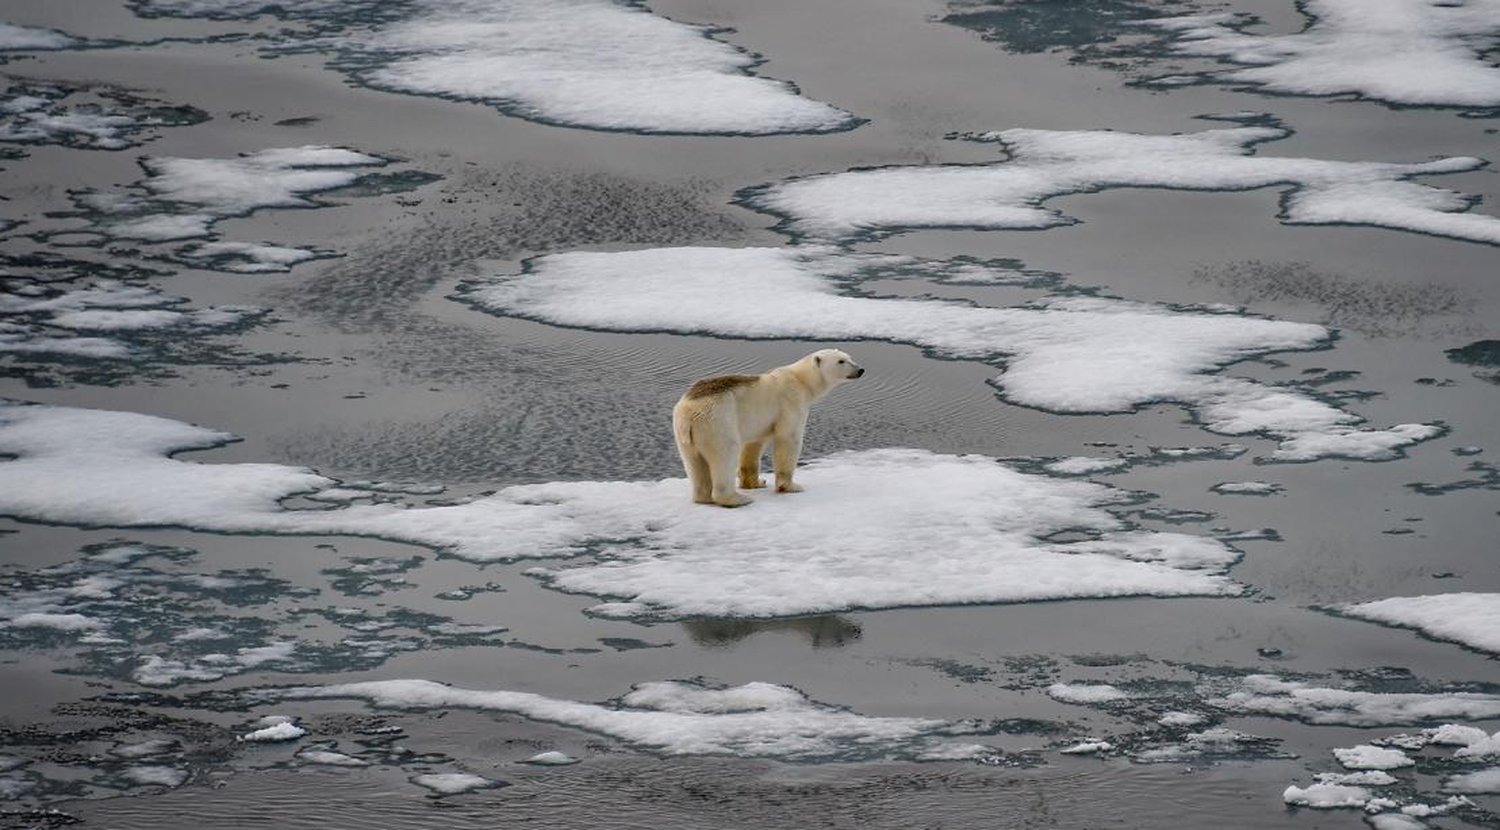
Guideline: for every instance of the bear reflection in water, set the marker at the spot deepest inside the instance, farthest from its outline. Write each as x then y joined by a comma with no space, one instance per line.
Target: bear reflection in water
825,631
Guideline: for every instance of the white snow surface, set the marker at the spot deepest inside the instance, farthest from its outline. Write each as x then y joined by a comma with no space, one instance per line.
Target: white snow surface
1264,694
1086,693
1082,465
600,64
935,529
1480,781
1399,51
1472,619
274,733
453,783
29,38
59,622
551,758
1369,757
1046,163
1251,488
154,775
329,758
1073,354
756,720
1326,796
1090,747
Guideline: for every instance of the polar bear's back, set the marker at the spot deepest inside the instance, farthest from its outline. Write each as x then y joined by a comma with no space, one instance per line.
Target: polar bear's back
709,387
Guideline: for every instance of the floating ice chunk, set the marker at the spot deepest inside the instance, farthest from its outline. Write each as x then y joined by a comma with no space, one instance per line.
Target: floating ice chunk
1401,52
329,758
598,64
59,622
247,257
1248,488
280,177
32,38
1424,810
155,670
1270,695
1078,354
1365,756
1082,465
1472,619
758,720
285,731
1180,719
1394,821
1482,781
1090,747
106,320
552,758
90,347
1453,734
1486,748
94,467
1366,778
153,775
147,748
1086,693
163,227
454,783
1046,163
1326,796
1347,442
194,635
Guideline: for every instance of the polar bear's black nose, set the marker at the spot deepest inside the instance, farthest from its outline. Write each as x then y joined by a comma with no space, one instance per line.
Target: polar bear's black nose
859,372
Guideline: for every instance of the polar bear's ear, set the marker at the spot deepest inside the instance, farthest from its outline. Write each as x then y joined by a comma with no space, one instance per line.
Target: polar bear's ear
818,359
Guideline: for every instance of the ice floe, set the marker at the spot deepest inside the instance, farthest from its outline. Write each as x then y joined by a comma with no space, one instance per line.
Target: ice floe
1042,164
756,720
1480,781
951,529
1413,52
1066,354
1326,796
155,775
274,733
182,199
33,38
1082,465
82,117
1092,747
1247,488
1264,694
1086,693
454,783
551,758
1368,757
597,64
329,758
1472,619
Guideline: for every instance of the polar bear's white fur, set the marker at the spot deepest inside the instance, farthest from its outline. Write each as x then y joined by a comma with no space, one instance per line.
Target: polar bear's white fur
721,420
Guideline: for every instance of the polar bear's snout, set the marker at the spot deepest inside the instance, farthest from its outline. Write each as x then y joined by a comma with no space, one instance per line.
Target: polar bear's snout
859,371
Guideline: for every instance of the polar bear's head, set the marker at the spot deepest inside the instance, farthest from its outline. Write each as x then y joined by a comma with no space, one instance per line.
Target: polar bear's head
836,366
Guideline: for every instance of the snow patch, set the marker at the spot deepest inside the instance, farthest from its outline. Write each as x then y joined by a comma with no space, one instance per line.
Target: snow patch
1265,694
1472,619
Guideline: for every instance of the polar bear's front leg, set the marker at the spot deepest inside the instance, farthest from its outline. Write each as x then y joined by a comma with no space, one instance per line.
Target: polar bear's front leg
750,466
784,459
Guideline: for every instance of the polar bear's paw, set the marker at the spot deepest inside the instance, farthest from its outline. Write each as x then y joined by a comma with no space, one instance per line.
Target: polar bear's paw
733,500
788,487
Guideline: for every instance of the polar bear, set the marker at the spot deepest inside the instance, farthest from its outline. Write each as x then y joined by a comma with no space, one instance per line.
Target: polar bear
721,419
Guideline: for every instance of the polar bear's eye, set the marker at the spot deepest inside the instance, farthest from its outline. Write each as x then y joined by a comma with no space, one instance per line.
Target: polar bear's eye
841,362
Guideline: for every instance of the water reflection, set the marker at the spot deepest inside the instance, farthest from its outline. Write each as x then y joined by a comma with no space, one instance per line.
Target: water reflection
824,631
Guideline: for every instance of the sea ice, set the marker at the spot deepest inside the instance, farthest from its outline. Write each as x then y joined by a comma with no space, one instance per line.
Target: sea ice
32,38
1090,747
153,775
1086,693
1369,757
453,783
757,720
1398,51
1082,465
551,758
1250,488
600,64
1326,796
329,758
952,529
1066,354
1180,719
1042,164
1264,694
1472,619
1482,781
276,733
1394,821
60,622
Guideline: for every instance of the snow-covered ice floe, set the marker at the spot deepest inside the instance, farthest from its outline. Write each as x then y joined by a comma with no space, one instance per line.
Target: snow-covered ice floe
96,118
33,38
597,64
1471,619
182,199
454,783
1042,164
756,720
1264,694
933,529
1065,354
1086,693
41,318
1412,52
